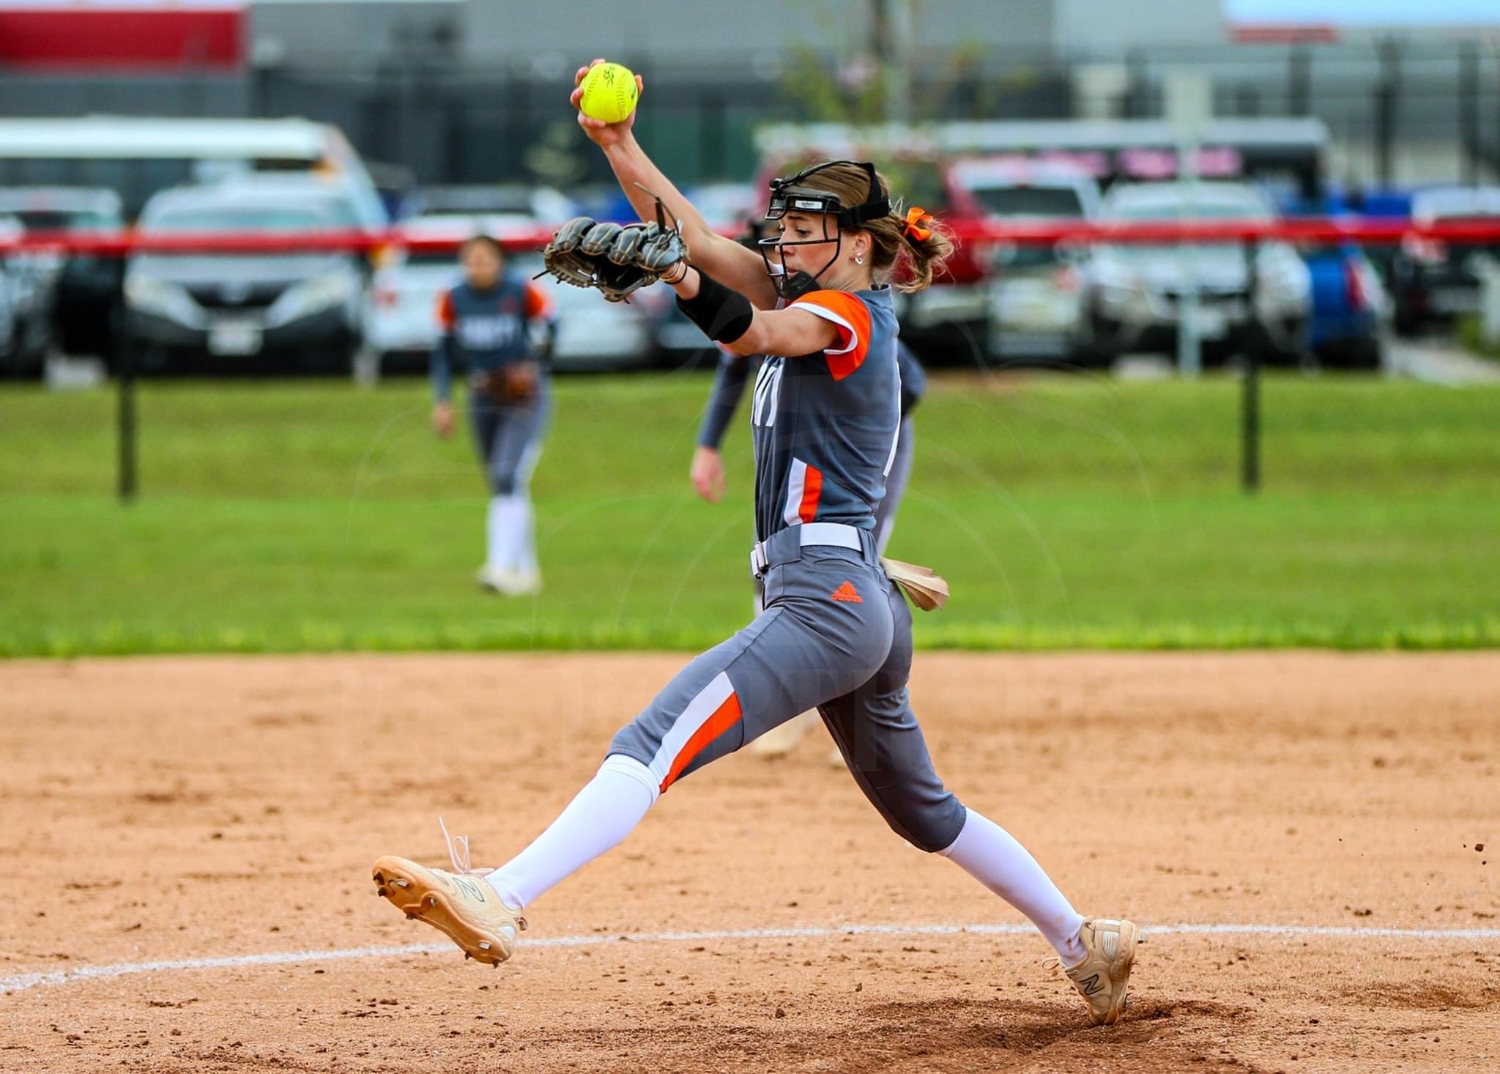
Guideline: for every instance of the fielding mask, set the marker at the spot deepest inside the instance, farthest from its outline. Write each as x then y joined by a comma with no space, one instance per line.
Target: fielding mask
800,194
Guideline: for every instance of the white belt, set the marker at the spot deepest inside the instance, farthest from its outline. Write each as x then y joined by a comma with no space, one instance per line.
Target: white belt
822,533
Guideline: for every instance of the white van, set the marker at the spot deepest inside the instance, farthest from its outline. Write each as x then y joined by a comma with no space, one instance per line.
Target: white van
139,157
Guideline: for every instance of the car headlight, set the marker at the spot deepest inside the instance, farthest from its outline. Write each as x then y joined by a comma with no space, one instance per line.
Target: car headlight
1116,281
150,294
1285,278
312,296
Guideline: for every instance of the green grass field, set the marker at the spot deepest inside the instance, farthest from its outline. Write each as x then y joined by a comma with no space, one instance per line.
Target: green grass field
1066,512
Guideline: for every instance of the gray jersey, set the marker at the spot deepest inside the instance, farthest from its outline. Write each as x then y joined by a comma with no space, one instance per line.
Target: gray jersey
825,425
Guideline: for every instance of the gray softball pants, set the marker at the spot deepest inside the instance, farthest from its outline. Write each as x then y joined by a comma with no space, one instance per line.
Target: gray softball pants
835,634
508,439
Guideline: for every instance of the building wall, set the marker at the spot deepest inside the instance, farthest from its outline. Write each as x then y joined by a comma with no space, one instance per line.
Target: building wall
731,35
1086,29
351,34
735,37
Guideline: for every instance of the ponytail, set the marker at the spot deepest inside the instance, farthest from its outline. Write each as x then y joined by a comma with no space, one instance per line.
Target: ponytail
926,246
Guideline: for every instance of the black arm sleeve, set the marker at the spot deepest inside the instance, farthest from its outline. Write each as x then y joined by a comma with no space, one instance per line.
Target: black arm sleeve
729,387
724,315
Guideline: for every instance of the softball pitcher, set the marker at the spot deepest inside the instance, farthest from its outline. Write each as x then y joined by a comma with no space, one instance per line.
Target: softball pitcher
835,632
707,474
487,327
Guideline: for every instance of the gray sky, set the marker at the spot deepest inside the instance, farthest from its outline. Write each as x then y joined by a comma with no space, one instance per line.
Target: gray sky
1366,12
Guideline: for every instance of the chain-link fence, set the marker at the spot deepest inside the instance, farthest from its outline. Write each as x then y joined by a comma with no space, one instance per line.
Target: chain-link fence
1400,112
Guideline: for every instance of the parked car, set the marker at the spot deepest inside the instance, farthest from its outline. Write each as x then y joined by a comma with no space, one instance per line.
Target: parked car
243,311
79,294
1035,292
515,202
1350,307
27,281
1436,282
1135,291
10,229
1350,304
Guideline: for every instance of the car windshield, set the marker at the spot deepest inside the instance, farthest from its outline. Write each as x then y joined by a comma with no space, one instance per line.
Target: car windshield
1050,201
63,220
279,219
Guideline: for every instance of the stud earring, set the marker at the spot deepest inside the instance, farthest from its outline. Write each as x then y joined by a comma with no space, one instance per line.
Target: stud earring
859,259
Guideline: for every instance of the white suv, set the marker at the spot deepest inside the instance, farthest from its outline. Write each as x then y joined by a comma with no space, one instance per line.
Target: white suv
1135,290
1035,307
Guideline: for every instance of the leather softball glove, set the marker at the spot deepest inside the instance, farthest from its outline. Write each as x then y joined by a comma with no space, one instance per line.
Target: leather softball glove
616,259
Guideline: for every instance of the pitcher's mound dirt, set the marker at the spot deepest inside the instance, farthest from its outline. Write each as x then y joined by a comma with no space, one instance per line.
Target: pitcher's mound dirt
215,808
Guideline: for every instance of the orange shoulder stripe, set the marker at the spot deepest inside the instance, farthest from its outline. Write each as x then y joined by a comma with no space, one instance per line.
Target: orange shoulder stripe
538,302
851,318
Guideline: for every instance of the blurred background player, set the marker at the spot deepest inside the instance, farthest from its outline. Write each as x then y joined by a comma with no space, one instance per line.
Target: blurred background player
707,472
499,327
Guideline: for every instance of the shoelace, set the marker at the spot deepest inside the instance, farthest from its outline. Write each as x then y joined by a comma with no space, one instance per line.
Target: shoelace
458,855
458,850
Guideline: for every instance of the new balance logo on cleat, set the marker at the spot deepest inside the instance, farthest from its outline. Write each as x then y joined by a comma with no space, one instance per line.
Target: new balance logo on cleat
1104,974
847,594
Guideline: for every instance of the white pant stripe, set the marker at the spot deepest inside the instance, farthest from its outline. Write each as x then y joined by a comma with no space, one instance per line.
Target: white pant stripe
697,713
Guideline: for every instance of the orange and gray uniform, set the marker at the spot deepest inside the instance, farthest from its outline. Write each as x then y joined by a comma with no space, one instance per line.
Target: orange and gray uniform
835,633
734,372
482,331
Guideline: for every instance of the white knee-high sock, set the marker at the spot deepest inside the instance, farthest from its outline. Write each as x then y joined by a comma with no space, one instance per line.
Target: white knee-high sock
494,532
598,819
525,534
991,855
509,523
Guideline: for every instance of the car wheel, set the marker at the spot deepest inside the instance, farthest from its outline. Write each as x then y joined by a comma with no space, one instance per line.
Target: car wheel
1102,344
1406,323
1367,354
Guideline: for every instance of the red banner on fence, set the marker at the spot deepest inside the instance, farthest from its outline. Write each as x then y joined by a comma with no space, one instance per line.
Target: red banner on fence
1365,231
132,35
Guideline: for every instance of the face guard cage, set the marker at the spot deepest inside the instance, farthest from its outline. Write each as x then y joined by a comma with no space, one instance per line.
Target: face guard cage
795,195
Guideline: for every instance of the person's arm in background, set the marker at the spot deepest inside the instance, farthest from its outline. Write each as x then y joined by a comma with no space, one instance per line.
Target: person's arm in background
442,368
913,378
541,323
729,386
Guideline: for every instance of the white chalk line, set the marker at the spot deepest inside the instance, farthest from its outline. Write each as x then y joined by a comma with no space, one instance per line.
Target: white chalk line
24,981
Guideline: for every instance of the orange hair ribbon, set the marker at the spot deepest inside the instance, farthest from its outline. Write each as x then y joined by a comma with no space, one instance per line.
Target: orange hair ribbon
914,217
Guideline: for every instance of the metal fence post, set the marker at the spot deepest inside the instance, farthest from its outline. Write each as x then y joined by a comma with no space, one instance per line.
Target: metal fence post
1250,380
125,389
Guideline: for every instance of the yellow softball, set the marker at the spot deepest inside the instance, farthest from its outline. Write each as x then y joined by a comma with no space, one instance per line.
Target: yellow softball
609,92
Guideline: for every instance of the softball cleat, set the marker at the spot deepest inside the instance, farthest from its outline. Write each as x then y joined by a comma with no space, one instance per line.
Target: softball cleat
1102,976
527,583
465,908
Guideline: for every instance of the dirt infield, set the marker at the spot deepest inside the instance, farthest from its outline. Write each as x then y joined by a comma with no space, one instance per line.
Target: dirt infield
213,808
